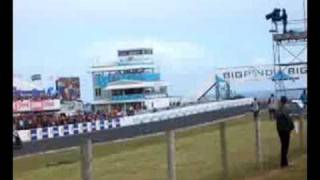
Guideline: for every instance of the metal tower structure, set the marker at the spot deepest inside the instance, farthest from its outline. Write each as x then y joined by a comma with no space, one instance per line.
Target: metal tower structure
292,43
222,89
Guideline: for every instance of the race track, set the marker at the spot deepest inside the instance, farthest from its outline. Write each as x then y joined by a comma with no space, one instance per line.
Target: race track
129,131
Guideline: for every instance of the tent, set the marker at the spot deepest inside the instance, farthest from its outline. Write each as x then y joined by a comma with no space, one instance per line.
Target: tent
281,76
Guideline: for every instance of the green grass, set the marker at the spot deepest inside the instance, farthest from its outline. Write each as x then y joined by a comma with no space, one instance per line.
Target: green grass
197,156
298,171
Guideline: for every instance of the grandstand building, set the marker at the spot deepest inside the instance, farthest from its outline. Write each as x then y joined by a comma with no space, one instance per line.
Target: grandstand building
133,81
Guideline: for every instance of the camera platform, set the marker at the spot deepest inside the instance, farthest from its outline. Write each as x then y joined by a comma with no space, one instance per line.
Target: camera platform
290,35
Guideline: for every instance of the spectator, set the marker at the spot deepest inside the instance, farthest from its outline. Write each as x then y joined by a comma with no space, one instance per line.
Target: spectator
34,120
255,108
284,128
114,113
29,125
303,98
101,116
119,113
131,111
21,123
272,107
95,117
53,122
144,107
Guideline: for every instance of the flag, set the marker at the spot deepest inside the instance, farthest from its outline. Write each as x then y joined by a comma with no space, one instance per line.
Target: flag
36,77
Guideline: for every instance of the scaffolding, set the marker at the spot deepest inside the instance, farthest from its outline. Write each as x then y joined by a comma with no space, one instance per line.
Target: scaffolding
293,43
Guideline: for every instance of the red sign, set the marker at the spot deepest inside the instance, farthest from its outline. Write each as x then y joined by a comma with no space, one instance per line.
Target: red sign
22,105
48,103
28,105
36,106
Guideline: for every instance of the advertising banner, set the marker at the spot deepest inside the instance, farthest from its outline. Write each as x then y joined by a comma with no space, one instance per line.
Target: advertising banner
30,105
36,105
69,88
260,72
21,106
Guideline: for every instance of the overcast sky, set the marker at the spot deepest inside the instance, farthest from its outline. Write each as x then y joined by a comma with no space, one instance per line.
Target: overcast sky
190,38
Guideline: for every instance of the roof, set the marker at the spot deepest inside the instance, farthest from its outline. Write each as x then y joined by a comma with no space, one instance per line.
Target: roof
281,76
125,84
105,101
117,67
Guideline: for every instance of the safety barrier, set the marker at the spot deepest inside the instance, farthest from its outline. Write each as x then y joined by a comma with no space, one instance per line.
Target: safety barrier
67,130
87,127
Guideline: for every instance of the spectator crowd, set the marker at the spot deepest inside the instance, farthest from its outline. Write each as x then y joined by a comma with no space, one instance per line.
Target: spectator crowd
40,120
32,120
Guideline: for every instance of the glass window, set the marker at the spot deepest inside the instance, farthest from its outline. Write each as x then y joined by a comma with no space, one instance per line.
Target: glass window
163,90
98,92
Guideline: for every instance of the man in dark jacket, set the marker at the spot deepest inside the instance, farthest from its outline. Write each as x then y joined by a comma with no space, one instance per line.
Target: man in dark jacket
284,128
284,20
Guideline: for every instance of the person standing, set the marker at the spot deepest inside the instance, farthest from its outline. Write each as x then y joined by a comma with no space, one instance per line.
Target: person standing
284,127
21,123
17,143
303,98
255,108
284,20
131,111
272,106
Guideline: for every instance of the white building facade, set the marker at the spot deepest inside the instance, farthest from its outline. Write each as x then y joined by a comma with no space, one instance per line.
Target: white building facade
132,82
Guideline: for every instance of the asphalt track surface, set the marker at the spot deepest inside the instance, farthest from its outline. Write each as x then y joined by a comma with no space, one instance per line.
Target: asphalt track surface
128,131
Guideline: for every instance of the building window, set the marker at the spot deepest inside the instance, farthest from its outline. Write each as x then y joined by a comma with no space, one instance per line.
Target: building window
98,92
163,90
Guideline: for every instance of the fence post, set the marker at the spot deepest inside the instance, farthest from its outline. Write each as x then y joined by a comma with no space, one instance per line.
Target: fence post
86,159
258,140
171,155
224,155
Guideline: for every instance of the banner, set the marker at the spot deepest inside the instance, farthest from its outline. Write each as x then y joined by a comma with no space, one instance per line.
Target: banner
69,88
42,105
30,93
262,72
21,106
